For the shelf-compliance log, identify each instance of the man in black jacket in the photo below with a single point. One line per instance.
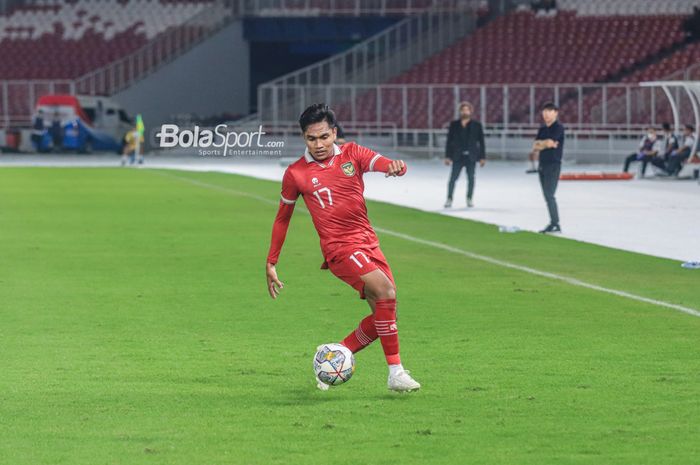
(550, 143)
(465, 146)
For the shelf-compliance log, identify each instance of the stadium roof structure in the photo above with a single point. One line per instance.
(692, 90)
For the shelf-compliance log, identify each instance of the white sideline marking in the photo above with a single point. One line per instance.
(475, 256)
(545, 274)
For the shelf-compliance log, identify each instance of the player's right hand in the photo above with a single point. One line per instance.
(396, 168)
(274, 285)
(448, 162)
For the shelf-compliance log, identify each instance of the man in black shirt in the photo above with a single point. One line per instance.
(550, 143)
(465, 146)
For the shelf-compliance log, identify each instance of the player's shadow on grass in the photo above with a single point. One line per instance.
(304, 395)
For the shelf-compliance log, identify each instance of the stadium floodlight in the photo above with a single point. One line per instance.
(692, 89)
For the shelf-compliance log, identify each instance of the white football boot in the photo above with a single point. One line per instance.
(320, 384)
(402, 382)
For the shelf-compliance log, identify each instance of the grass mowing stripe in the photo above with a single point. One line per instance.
(465, 253)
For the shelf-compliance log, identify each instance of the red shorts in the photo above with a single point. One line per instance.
(349, 264)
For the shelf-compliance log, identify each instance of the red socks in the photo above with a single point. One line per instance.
(383, 325)
(363, 336)
(385, 322)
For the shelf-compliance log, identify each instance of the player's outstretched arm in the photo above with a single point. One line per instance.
(279, 233)
(371, 161)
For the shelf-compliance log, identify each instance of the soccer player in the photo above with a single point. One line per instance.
(329, 179)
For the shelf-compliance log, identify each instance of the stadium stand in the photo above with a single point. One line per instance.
(625, 41)
(53, 39)
(592, 49)
(102, 47)
(93, 47)
(670, 66)
(683, 58)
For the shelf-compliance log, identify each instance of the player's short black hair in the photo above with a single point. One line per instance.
(666, 126)
(550, 106)
(315, 114)
(690, 127)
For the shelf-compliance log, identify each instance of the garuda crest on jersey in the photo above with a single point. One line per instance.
(348, 169)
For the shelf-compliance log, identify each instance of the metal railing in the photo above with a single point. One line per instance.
(640, 100)
(18, 98)
(582, 145)
(346, 7)
(505, 106)
(586, 145)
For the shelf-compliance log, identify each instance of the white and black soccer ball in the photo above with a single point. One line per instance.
(334, 364)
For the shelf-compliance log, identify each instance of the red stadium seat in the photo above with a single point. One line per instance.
(68, 39)
(516, 48)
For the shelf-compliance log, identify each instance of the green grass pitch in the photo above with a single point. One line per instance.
(135, 328)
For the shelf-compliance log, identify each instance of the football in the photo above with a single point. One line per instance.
(334, 364)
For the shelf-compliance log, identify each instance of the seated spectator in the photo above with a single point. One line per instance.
(676, 158)
(669, 144)
(649, 148)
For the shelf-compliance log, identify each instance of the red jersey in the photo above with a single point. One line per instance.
(333, 191)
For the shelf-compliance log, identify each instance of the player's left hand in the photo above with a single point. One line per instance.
(482, 162)
(396, 168)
